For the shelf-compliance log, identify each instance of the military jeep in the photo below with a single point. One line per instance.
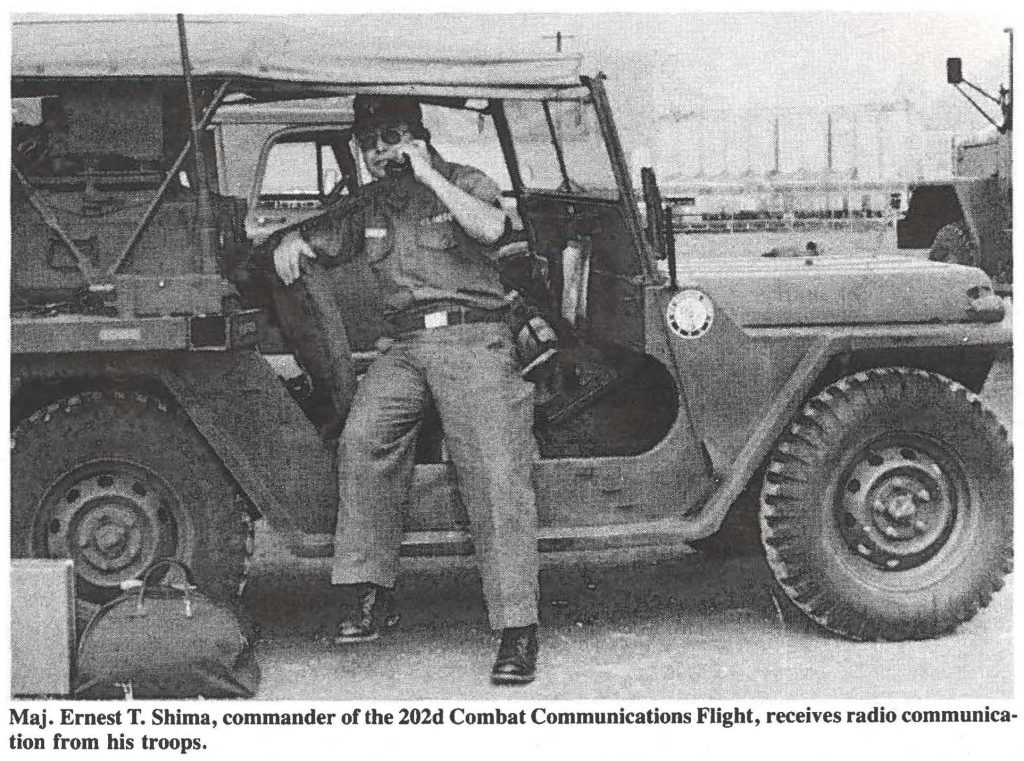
(149, 420)
(968, 219)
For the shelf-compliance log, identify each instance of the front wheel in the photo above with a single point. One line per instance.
(117, 479)
(887, 510)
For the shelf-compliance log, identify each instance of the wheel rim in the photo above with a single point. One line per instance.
(900, 500)
(113, 519)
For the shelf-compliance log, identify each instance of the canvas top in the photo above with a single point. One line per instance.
(340, 53)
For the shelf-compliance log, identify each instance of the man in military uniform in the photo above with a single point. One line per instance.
(429, 231)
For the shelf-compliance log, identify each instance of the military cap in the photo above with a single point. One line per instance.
(374, 111)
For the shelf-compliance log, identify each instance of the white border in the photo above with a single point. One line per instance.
(593, 744)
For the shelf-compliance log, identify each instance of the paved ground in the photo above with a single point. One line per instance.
(618, 626)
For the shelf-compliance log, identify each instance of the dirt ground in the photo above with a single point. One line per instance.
(621, 625)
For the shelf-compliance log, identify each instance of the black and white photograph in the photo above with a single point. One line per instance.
(387, 381)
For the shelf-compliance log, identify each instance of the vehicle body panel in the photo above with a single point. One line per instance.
(837, 290)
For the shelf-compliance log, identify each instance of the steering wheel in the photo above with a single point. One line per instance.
(321, 306)
(325, 343)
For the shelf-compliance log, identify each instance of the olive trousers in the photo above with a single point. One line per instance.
(486, 411)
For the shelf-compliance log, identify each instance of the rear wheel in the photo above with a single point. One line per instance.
(115, 480)
(886, 510)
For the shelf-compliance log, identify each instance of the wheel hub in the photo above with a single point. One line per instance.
(108, 535)
(112, 518)
(901, 505)
(899, 502)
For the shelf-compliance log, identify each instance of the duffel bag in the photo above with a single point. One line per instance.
(165, 640)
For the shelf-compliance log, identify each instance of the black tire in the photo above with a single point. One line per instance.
(887, 507)
(115, 479)
(953, 244)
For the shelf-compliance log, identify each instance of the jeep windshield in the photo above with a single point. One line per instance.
(559, 147)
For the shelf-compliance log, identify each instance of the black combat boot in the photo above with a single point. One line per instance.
(371, 612)
(517, 656)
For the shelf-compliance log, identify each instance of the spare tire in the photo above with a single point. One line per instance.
(953, 244)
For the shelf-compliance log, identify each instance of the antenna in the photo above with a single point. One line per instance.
(204, 217)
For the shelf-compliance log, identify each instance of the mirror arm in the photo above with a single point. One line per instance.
(974, 103)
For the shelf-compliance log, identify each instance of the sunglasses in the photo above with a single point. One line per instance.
(390, 135)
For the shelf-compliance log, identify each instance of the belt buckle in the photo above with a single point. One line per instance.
(435, 320)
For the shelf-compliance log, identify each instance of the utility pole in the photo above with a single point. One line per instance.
(558, 37)
(828, 162)
(828, 145)
(777, 151)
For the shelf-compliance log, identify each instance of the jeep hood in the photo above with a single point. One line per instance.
(838, 290)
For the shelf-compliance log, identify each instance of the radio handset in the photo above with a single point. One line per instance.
(398, 169)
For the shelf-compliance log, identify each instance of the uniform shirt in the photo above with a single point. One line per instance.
(417, 250)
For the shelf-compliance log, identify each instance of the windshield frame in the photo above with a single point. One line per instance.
(625, 196)
(558, 162)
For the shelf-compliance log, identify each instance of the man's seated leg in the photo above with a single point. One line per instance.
(376, 457)
(487, 412)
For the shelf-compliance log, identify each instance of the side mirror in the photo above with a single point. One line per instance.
(654, 211)
(660, 229)
(954, 71)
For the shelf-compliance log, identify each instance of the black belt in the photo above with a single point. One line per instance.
(405, 322)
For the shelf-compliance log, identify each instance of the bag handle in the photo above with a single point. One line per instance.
(140, 583)
(166, 564)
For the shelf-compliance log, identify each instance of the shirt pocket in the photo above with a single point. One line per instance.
(436, 235)
(378, 242)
